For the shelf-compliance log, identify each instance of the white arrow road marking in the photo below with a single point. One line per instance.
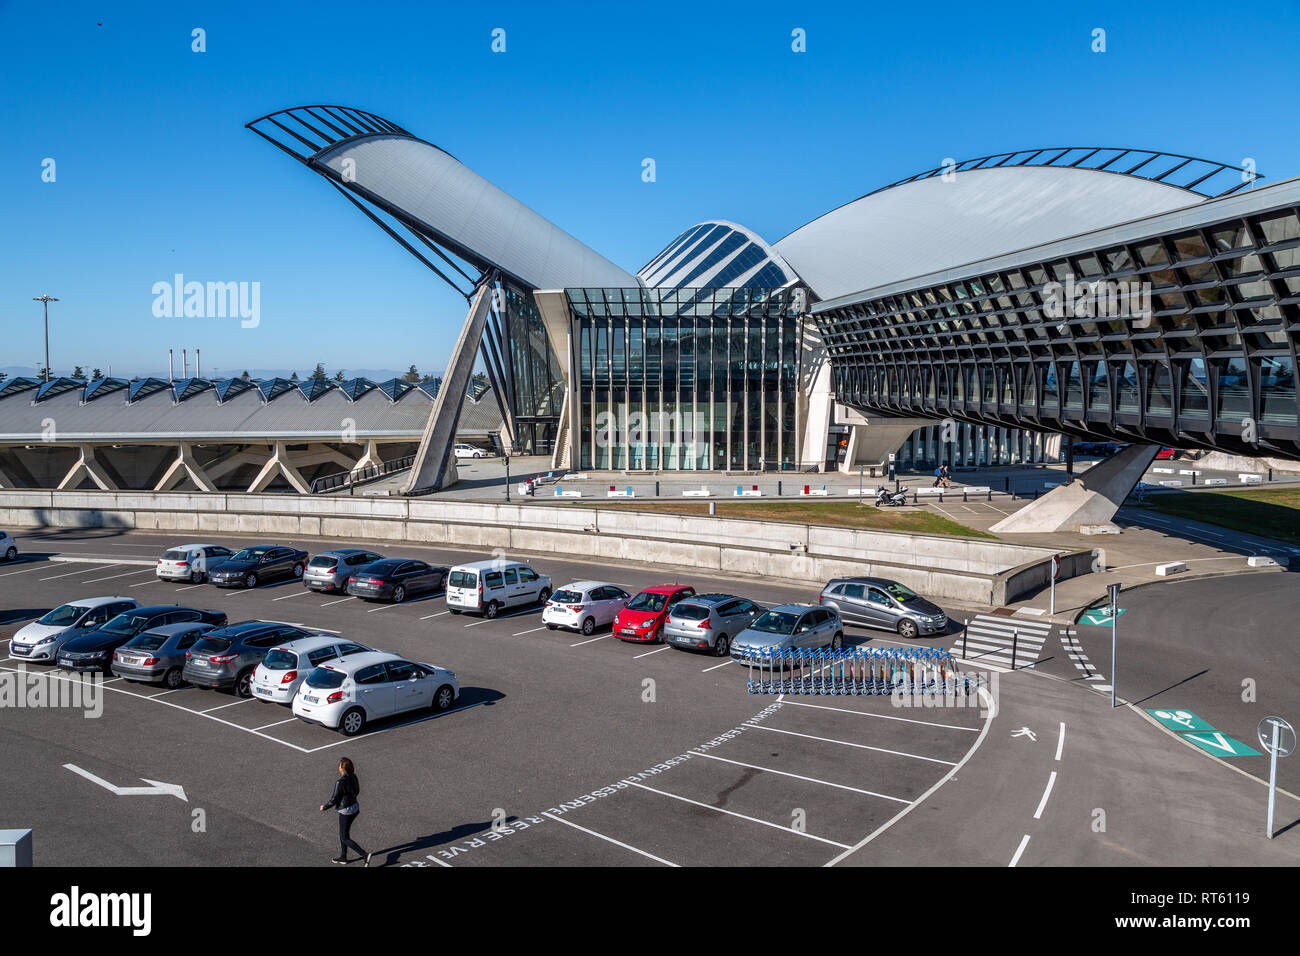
(155, 788)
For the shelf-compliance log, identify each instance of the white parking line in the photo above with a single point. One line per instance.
(1051, 781)
(287, 596)
(733, 813)
(859, 713)
(592, 641)
(532, 631)
(40, 565)
(1060, 741)
(602, 836)
(124, 574)
(276, 724)
(188, 587)
(715, 667)
(143, 583)
(499, 617)
(382, 607)
(786, 773)
(439, 614)
(224, 706)
(82, 571)
(1019, 850)
(648, 653)
(339, 601)
(846, 743)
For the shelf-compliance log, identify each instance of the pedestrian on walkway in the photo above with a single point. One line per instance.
(945, 476)
(346, 789)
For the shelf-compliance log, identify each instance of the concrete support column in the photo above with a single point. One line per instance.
(1092, 498)
(279, 464)
(185, 465)
(369, 457)
(86, 466)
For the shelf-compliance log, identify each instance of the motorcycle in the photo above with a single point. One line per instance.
(892, 499)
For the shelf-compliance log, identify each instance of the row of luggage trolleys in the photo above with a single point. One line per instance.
(855, 671)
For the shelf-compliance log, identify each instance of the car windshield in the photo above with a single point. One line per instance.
(463, 579)
(565, 596)
(900, 593)
(280, 660)
(325, 678)
(126, 624)
(645, 601)
(210, 645)
(148, 641)
(776, 622)
(250, 554)
(691, 612)
(175, 556)
(321, 561)
(63, 616)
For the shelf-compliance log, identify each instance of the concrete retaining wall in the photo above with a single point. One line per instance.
(977, 571)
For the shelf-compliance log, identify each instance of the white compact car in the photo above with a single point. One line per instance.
(190, 562)
(284, 668)
(489, 587)
(41, 639)
(8, 547)
(348, 693)
(468, 451)
(584, 606)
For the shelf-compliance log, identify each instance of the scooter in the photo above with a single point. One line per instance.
(893, 499)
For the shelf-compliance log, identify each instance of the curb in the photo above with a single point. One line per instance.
(1201, 576)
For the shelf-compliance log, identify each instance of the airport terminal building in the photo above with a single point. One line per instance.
(982, 312)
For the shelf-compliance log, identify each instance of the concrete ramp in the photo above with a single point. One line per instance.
(1092, 498)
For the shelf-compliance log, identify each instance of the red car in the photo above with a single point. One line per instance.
(643, 618)
(1165, 454)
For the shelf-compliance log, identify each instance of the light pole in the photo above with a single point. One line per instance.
(46, 300)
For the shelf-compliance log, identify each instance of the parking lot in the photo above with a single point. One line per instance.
(581, 749)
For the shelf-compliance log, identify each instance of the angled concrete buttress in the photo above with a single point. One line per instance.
(1092, 498)
(435, 465)
(872, 440)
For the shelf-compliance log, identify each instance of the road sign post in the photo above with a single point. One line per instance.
(1056, 573)
(1278, 738)
(1114, 643)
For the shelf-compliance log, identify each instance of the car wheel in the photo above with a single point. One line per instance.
(250, 580)
(589, 626)
(721, 646)
(552, 626)
(443, 698)
(543, 596)
(11, 554)
(353, 722)
(196, 576)
(297, 570)
(837, 641)
(907, 630)
(399, 594)
(453, 610)
(173, 679)
(243, 686)
(492, 610)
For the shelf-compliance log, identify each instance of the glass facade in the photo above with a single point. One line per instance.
(684, 379)
(537, 387)
(1187, 339)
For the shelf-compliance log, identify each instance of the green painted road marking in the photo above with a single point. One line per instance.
(1182, 721)
(1100, 616)
(1221, 745)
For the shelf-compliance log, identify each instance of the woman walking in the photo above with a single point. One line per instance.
(346, 789)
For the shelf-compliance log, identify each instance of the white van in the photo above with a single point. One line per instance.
(488, 587)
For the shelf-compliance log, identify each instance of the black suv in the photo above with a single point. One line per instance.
(249, 567)
(226, 658)
(94, 651)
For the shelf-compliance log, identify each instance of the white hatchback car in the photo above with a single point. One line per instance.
(348, 693)
(190, 562)
(8, 547)
(584, 606)
(284, 668)
(468, 451)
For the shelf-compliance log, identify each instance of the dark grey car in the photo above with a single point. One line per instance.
(329, 570)
(709, 622)
(158, 655)
(879, 602)
(225, 658)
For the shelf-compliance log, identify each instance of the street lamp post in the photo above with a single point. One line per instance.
(46, 300)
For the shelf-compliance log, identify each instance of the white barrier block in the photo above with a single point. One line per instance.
(1261, 561)
(1174, 483)
(697, 493)
(971, 490)
(573, 477)
(1188, 471)
(935, 491)
(1215, 481)
(1163, 471)
(1173, 567)
(819, 492)
(1099, 529)
(859, 491)
(1250, 479)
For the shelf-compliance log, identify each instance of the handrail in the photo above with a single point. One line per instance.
(357, 476)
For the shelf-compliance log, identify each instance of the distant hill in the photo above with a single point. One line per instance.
(377, 374)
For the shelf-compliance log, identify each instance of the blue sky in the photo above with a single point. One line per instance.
(155, 173)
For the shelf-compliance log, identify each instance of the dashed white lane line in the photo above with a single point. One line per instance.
(846, 743)
(1051, 782)
(287, 596)
(124, 574)
(82, 571)
(648, 653)
(796, 776)
(1060, 741)
(592, 641)
(859, 713)
(339, 601)
(607, 839)
(715, 667)
(733, 813)
(1019, 850)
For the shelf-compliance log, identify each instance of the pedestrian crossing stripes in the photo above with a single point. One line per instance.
(989, 640)
(1074, 651)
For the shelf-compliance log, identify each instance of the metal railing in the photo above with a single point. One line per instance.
(360, 476)
(855, 671)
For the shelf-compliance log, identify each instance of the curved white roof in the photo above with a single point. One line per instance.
(929, 225)
(450, 200)
(717, 254)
